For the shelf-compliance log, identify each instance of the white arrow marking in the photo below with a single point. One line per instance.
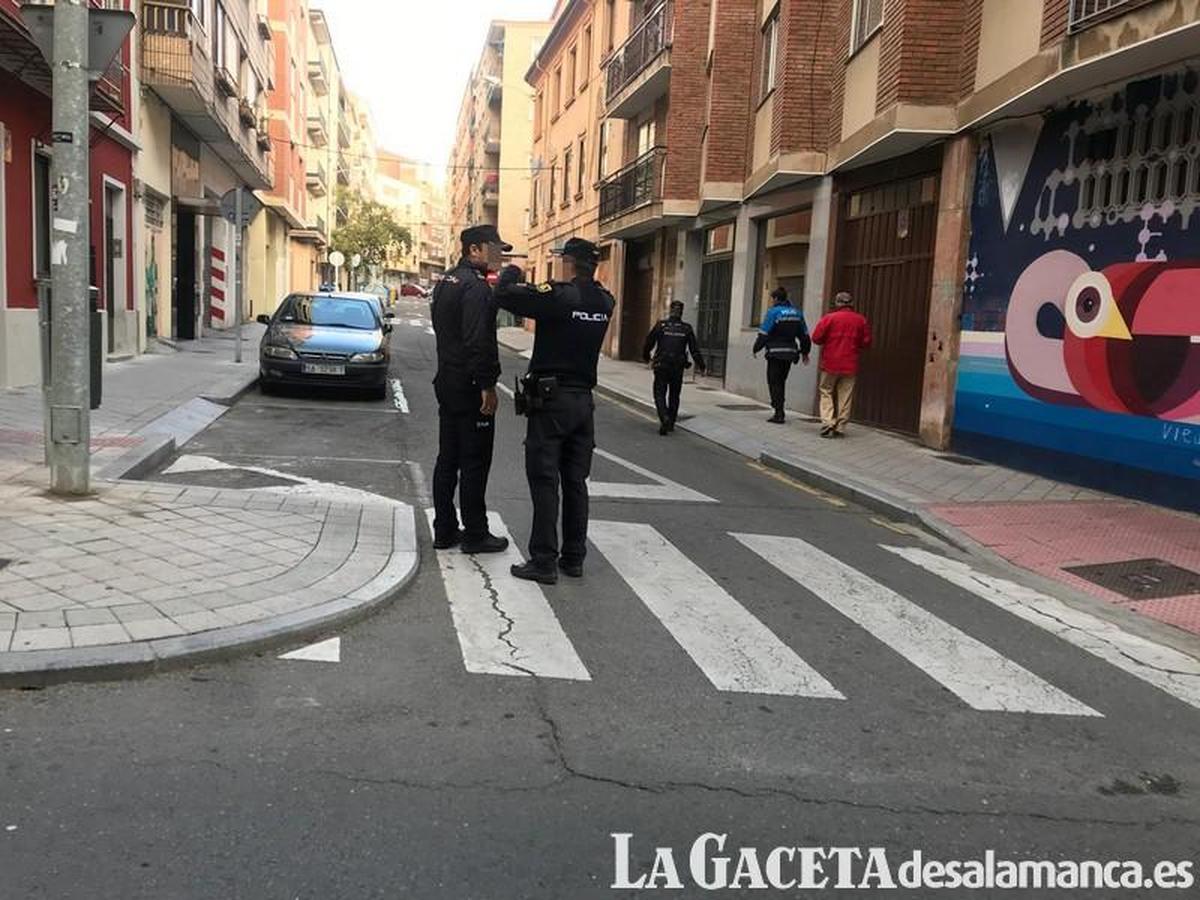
(329, 651)
(398, 398)
(663, 489)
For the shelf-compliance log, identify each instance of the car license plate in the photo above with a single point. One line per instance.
(323, 369)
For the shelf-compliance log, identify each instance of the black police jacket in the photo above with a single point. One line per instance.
(571, 316)
(464, 319)
(669, 343)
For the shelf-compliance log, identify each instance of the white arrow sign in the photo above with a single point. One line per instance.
(324, 651)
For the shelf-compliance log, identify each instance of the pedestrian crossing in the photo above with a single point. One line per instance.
(509, 627)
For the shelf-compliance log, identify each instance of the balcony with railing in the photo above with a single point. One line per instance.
(318, 180)
(1088, 12)
(176, 64)
(490, 189)
(639, 71)
(318, 128)
(343, 133)
(630, 196)
(318, 77)
(343, 170)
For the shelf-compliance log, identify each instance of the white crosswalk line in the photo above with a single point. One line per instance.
(505, 626)
(976, 673)
(735, 650)
(1167, 669)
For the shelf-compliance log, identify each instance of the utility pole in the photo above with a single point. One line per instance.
(70, 425)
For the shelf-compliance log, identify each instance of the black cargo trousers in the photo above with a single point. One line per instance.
(466, 439)
(668, 384)
(559, 441)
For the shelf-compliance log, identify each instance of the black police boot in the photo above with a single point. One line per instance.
(531, 571)
(663, 427)
(776, 419)
(446, 541)
(570, 568)
(488, 543)
(671, 425)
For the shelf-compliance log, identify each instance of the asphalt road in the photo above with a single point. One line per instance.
(396, 772)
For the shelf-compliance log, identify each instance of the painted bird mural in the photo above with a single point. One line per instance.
(1125, 339)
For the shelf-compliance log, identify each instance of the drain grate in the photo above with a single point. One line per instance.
(1141, 579)
(743, 407)
(959, 460)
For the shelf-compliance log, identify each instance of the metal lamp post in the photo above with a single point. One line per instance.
(79, 43)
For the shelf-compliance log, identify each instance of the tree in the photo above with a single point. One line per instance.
(370, 231)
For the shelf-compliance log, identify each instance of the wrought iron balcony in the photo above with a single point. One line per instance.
(645, 50)
(318, 77)
(637, 185)
(318, 181)
(318, 130)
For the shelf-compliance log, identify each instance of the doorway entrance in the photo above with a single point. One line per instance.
(637, 297)
(115, 289)
(885, 253)
(183, 291)
(712, 314)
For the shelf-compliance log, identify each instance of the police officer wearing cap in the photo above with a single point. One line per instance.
(464, 320)
(572, 317)
(667, 348)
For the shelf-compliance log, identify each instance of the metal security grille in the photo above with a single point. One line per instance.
(1141, 579)
(712, 314)
(1085, 12)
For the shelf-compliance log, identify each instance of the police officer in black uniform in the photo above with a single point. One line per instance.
(667, 348)
(572, 317)
(464, 320)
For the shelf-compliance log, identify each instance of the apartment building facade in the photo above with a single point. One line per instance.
(573, 147)
(488, 180)
(946, 163)
(25, 200)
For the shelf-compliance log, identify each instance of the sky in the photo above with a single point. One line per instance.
(410, 60)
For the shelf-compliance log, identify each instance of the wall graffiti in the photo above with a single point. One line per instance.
(1081, 312)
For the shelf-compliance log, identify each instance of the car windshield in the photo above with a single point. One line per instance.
(331, 312)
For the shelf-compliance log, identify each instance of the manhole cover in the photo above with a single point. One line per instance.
(959, 460)
(742, 407)
(1141, 579)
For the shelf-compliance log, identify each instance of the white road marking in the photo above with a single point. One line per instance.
(303, 486)
(1167, 669)
(421, 485)
(526, 354)
(504, 389)
(329, 651)
(431, 332)
(976, 673)
(505, 626)
(735, 650)
(398, 398)
(663, 489)
(417, 323)
(188, 463)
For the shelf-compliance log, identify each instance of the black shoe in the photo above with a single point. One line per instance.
(827, 431)
(446, 541)
(571, 569)
(671, 427)
(838, 434)
(489, 543)
(663, 428)
(532, 572)
(776, 419)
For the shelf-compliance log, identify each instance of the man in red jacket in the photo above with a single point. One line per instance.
(842, 334)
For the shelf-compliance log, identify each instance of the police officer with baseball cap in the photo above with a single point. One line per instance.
(572, 317)
(464, 320)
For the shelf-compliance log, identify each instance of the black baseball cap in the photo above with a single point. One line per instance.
(484, 234)
(578, 248)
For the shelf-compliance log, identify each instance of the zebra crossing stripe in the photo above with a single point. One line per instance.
(1167, 669)
(974, 672)
(735, 650)
(505, 626)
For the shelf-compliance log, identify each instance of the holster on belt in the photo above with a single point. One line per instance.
(533, 392)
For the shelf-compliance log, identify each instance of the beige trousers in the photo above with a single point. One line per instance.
(837, 399)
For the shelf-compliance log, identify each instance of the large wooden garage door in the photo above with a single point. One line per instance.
(885, 260)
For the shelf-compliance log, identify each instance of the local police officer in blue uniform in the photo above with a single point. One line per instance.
(556, 394)
(464, 320)
(784, 335)
(667, 348)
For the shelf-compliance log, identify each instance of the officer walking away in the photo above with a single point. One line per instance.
(785, 337)
(464, 321)
(556, 394)
(667, 348)
(842, 335)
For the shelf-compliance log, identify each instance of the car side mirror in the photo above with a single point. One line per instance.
(263, 320)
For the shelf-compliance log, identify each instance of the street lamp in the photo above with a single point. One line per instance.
(80, 43)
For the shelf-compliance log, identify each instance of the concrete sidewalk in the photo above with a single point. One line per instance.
(140, 575)
(1041, 526)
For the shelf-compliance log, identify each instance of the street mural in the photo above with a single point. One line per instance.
(1081, 307)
